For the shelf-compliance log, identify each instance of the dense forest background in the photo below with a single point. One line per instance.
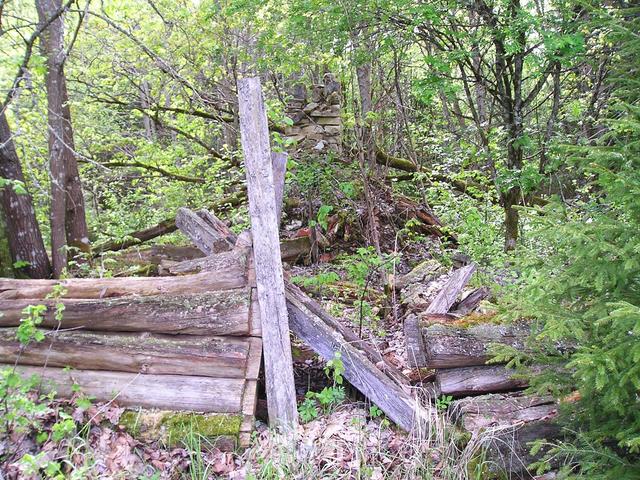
(516, 123)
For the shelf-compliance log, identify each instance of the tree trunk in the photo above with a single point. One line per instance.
(51, 47)
(6, 262)
(23, 232)
(75, 220)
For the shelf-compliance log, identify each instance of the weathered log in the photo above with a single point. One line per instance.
(213, 313)
(415, 344)
(223, 357)
(171, 392)
(447, 296)
(227, 270)
(450, 347)
(152, 258)
(512, 422)
(291, 250)
(470, 302)
(165, 227)
(460, 382)
(203, 232)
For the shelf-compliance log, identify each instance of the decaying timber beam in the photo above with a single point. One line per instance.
(228, 270)
(470, 302)
(451, 347)
(460, 382)
(206, 356)
(164, 227)
(369, 378)
(223, 312)
(448, 294)
(171, 392)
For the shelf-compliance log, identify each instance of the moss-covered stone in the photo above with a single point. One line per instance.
(172, 428)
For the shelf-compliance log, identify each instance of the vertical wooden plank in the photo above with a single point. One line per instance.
(254, 133)
(279, 165)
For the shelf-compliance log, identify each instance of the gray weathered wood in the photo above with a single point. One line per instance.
(510, 422)
(218, 229)
(450, 347)
(214, 313)
(254, 132)
(227, 271)
(460, 382)
(449, 293)
(470, 302)
(222, 357)
(415, 345)
(171, 392)
(363, 374)
(279, 166)
(201, 231)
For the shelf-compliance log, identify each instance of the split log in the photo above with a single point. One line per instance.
(450, 347)
(447, 296)
(415, 343)
(171, 392)
(511, 423)
(203, 229)
(460, 382)
(165, 227)
(227, 271)
(470, 302)
(290, 249)
(222, 357)
(213, 313)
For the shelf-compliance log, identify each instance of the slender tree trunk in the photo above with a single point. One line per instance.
(23, 232)
(75, 219)
(6, 262)
(51, 46)
(363, 73)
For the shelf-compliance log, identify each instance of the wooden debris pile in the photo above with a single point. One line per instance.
(442, 338)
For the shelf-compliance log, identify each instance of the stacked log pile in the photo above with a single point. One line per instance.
(442, 338)
(189, 343)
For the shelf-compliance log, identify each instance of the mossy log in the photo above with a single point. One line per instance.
(510, 422)
(174, 428)
(226, 270)
(222, 357)
(460, 382)
(450, 347)
(171, 392)
(213, 313)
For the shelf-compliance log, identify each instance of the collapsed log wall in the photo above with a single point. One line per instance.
(188, 343)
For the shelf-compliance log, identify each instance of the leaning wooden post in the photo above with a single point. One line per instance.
(254, 133)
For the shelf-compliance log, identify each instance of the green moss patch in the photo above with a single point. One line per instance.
(172, 428)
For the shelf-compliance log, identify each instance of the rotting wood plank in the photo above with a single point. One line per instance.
(413, 338)
(392, 399)
(214, 313)
(470, 302)
(171, 392)
(222, 357)
(254, 133)
(447, 296)
(200, 232)
(451, 347)
(226, 271)
(460, 382)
